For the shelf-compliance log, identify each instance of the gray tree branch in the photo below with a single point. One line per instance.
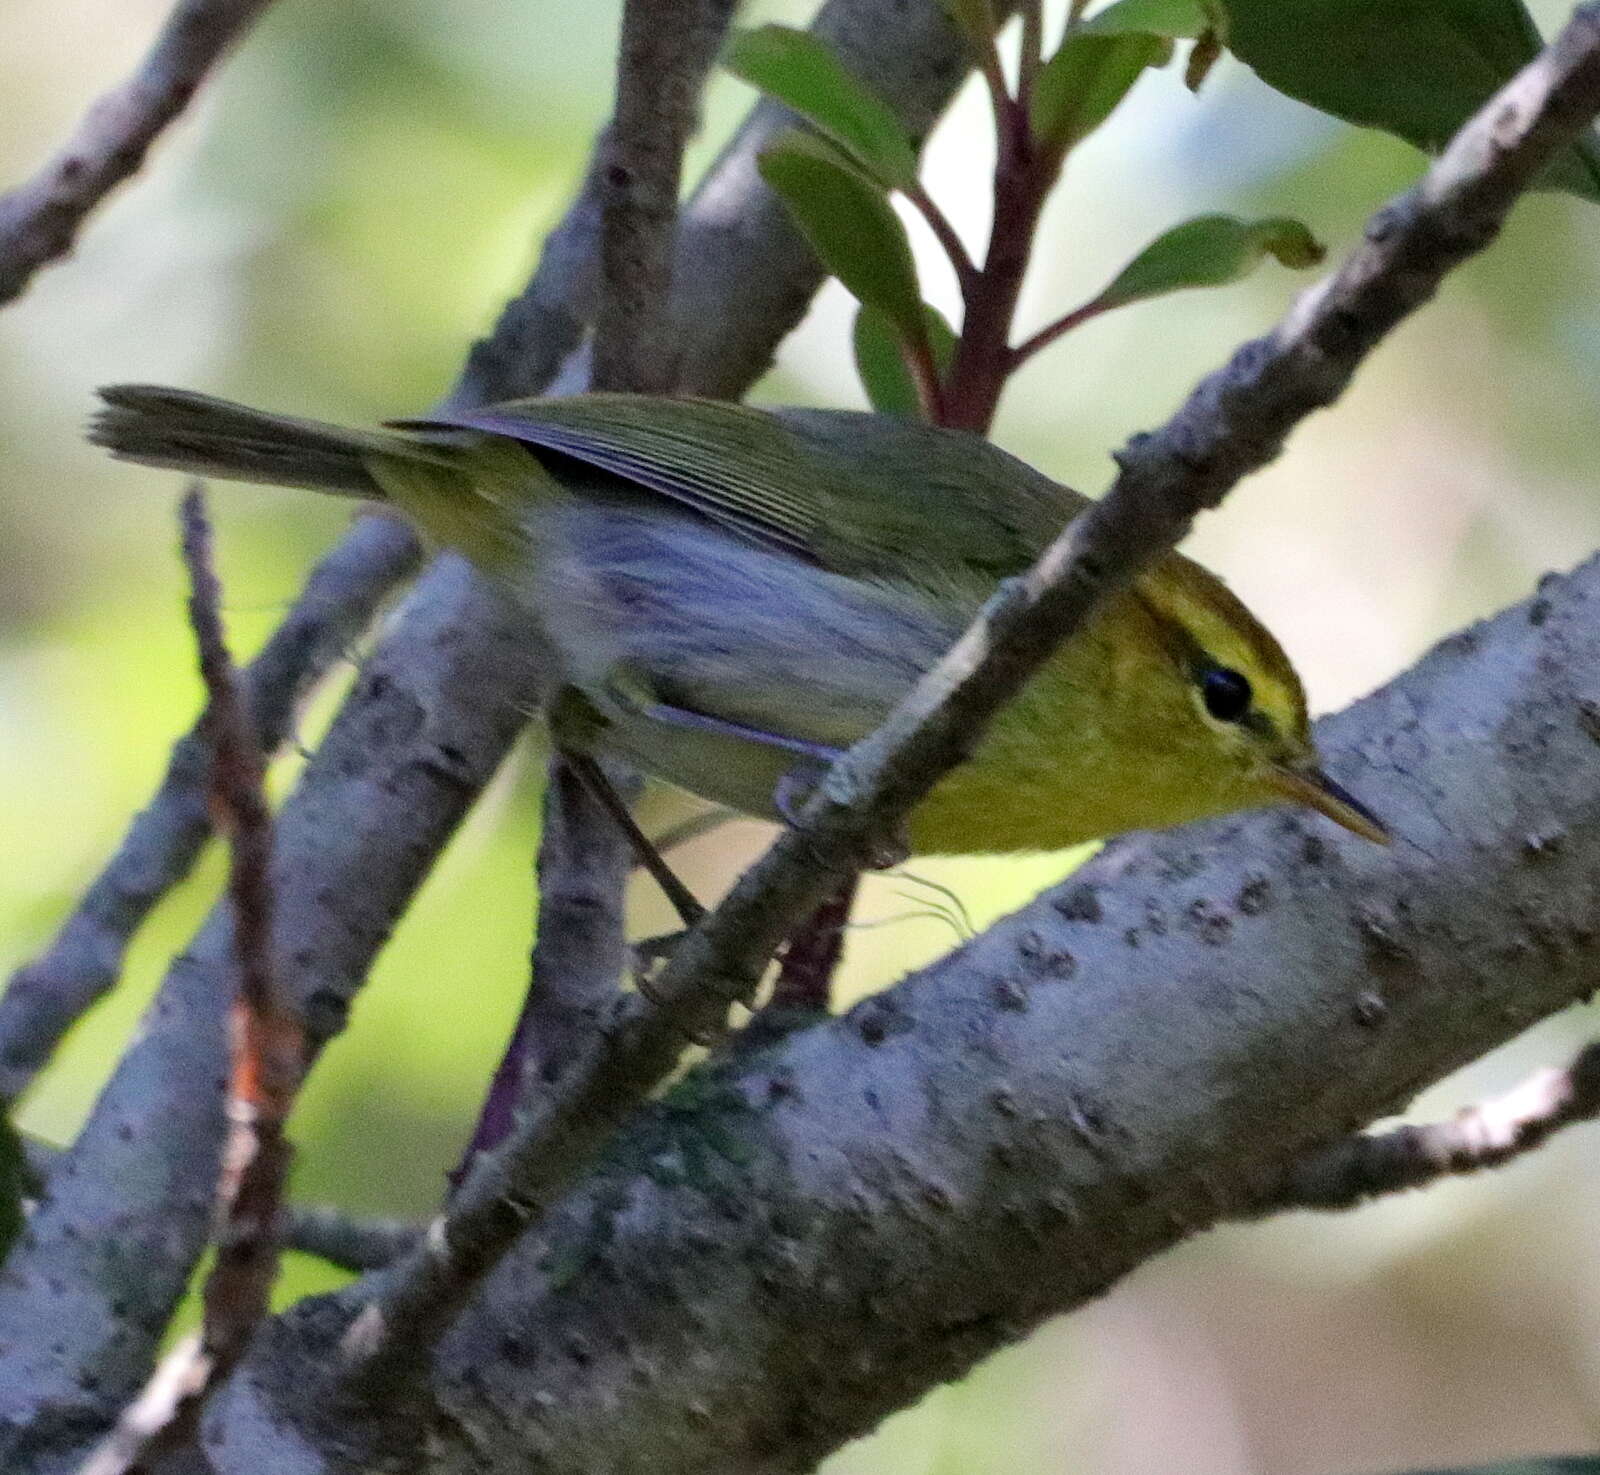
(1488, 1134)
(40, 220)
(665, 55)
(806, 1237)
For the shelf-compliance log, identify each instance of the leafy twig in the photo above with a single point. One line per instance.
(39, 220)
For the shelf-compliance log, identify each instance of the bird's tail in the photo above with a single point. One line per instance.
(177, 429)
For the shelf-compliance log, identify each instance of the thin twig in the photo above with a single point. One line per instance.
(1032, 51)
(347, 1240)
(954, 247)
(47, 996)
(268, 1050)
(268, 1035)
(1486, 1135)
(40, 220)
(1052, 331)
(987, 59)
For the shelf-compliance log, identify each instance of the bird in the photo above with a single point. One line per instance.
(736, 595)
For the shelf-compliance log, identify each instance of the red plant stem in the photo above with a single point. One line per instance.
(813, 953)
(983, 358)
(1058, 329)
(965, 268)
(1032, 51)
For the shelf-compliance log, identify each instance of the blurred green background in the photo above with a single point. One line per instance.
(348, 206)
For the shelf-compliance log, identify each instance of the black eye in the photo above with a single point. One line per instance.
(1226, 693)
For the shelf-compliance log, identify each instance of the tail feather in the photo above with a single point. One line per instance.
(183, 431)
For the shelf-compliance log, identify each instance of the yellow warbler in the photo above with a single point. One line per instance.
(737, 595)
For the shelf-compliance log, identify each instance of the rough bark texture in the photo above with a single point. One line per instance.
(800, 1240)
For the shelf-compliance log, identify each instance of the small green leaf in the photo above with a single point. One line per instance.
(1209, 251)
(1175, 19)
(850, 223)
(1415, 68)
(975, 19)
(881, 362)
(804, 73)
(1081, 85)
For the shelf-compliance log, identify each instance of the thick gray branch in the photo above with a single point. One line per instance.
(665, 54)
(807, 1237)
(40, 220)
(667, 49)
(46, 997)
(584, 861)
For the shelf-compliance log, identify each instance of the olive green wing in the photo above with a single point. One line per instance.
(732, 464)
(854, 493)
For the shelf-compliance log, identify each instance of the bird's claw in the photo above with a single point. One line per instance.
(789, 797)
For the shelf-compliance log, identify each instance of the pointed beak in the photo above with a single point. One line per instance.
(1311, 786)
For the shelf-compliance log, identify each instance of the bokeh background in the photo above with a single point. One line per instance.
(325, 232)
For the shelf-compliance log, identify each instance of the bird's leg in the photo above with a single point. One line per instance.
(701, 722)
(590, 774)
(792, 790)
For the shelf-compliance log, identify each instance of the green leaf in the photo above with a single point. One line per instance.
(1209, 251)
(803, 72)
(1081, 85)
(881, 363)
(850, 223)
(1415, 68)
(975, 19)
(1175, 19)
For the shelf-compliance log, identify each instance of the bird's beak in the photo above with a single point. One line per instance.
(1311, 786)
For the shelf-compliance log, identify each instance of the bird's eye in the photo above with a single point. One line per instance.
(1226, 693)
